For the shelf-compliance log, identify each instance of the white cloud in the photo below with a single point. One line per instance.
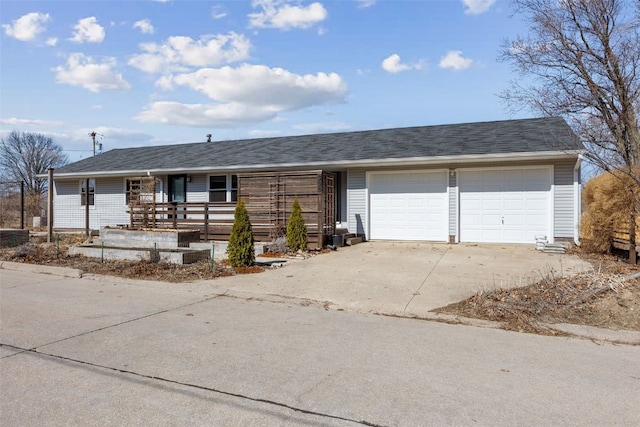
(365, 3)
(454, 60)
(51, 41)
(393, 64)
(285, 16)
(165, 82)
(262, 86)
(144, 25)
(95, 76)
(88, 30)
(242, 95)
(29, 122)
(27, 27)
(218, 12)
(179, 52)
(320, 127)
(476, 7)
(203, 115)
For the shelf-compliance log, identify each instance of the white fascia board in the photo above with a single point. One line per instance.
(402, 161)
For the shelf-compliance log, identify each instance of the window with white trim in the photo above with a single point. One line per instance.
(223, 188)
(92, 192)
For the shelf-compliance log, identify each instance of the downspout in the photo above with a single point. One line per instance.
(577, 200)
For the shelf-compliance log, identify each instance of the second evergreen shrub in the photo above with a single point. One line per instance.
(296, 229)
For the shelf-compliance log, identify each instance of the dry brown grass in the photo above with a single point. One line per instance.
(604, 297)
(608, 208)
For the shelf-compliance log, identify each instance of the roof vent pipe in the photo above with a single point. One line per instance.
(208, 137)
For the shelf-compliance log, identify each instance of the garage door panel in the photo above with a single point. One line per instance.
(409, 206)
(488, 235)
(492, 204)
(511, 206)
(515, 205)
(489, 220)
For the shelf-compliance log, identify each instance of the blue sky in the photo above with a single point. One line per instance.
(161, 72)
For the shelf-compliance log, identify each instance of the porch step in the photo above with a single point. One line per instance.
(353, 241)
(340, 237)
(557, 248)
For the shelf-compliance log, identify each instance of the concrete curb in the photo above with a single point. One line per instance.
(599, 334)
(41, 269)
(575, 331)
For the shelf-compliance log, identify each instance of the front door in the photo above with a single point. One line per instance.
(178, 191)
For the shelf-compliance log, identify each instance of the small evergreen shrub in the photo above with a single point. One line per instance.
(240, 250)
(296, 229)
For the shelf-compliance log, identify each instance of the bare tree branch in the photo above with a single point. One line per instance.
(25, 155)
(584, 56)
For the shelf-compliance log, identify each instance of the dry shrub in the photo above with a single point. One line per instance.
(608, 203)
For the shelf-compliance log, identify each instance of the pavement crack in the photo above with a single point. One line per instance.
(417, 291)
(167, 310)
(196, 386)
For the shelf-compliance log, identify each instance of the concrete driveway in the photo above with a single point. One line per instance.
(401, 278)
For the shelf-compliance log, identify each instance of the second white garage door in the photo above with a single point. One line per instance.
(504, 206)
(408, 206)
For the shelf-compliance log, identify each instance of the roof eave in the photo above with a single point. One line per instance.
(389, 162)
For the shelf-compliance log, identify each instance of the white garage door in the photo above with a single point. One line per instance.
(408, 206)
(504, 206)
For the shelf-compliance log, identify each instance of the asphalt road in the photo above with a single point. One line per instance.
(111, 352)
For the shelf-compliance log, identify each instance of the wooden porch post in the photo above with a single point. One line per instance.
(86, 207)
(206, 221)
(50, 207)
(633, 255)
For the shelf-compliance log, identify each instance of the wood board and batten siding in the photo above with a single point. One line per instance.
(269, 200)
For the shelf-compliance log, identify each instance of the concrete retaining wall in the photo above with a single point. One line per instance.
(173, 256)
(161, 239)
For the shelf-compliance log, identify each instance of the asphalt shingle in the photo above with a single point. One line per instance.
(497, 137)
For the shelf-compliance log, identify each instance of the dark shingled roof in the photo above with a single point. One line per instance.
(498, 137)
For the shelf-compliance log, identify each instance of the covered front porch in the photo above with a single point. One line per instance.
(268, 196)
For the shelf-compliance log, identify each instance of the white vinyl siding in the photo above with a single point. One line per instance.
(357, 201)
(408, 206)
(564, 200)
(109, 207)
(197, 188)
(453, 205)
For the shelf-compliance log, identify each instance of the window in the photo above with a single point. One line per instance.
(234, 188)
(92, 192)
(223, 188)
